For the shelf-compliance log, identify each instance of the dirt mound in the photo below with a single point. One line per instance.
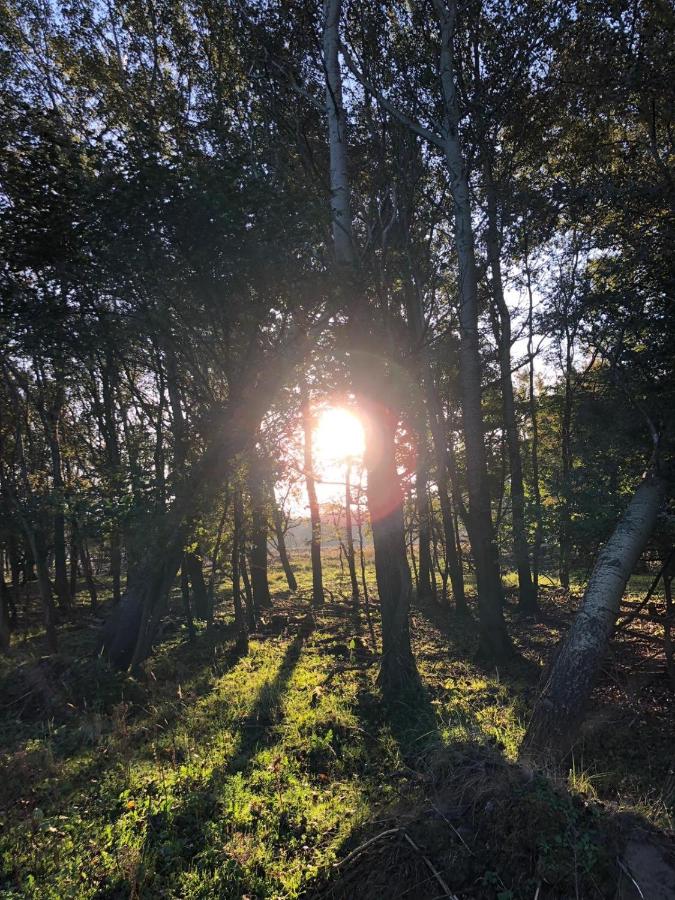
(476, 826)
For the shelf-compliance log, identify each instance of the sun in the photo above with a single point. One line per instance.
(338, 437)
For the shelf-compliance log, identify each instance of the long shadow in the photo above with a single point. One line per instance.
(106, 691)
(185, 828)
(460, 632)
(486, 826)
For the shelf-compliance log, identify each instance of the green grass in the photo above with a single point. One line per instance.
(218, 776)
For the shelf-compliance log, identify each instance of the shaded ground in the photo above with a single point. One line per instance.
(265, 776)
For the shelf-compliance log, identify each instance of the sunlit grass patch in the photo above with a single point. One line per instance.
(219, 775)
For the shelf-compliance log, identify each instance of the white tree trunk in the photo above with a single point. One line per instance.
(340, 207)
(560, 707)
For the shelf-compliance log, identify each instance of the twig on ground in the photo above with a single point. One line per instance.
(434, 871)
(362, 847)
(445, 819)
(627, 872)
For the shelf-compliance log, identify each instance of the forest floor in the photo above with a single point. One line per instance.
(284, 774)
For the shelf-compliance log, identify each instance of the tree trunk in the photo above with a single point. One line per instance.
(85, 563)
(251, 612)
(39, 551)
(453, 557)
(73, 561)
(240, 623)
(185, 573)
(384, 490)
(527, 597)
(668, 622)
(565, 523)
(439, 442)
(51, 414)
(494, 642)
(534, 424)
(116, 563)
(215, 558)
(14, 560)
(425, 589)
(259, 580)
(385, 507)
(278, 522)
(559, 710)
(194, 567)
(314, 511)
(351, 559)
(5, 626)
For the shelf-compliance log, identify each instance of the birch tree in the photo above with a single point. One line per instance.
(377, 404)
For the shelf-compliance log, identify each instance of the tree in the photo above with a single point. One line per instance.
(385, 500)
(314, 511)
(559, 710)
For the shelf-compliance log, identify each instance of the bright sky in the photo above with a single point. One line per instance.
(338, 437)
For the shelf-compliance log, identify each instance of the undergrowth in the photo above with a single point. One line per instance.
(217, 775)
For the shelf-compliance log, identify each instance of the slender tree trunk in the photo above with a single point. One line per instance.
(559, 710)
(439, 441)
(158, 451)
(259, 580)
(668, 622)
(425, 589)
(565, 523)
(14, 560)
(85, 563)
(411, 548)
(116, 563)
(362, 562)
(193, 565)
(5, 626)
(534, 424)
(351, 559)
(384, 491)
(453, 557)
(50, 412)
(278, 522)
(185, 595)
(527, 597)
(60, 562)
(251, 612)
(215, 557)
(74, 559)
(494, 642)
(314, 511)
(240, 623)
(108, 425)
(39, 551)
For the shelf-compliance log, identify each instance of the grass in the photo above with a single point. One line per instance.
(224, 776)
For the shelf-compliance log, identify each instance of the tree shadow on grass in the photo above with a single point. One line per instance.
(180, 835)
(468, 820)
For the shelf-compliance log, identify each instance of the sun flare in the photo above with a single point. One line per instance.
(338, 437)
